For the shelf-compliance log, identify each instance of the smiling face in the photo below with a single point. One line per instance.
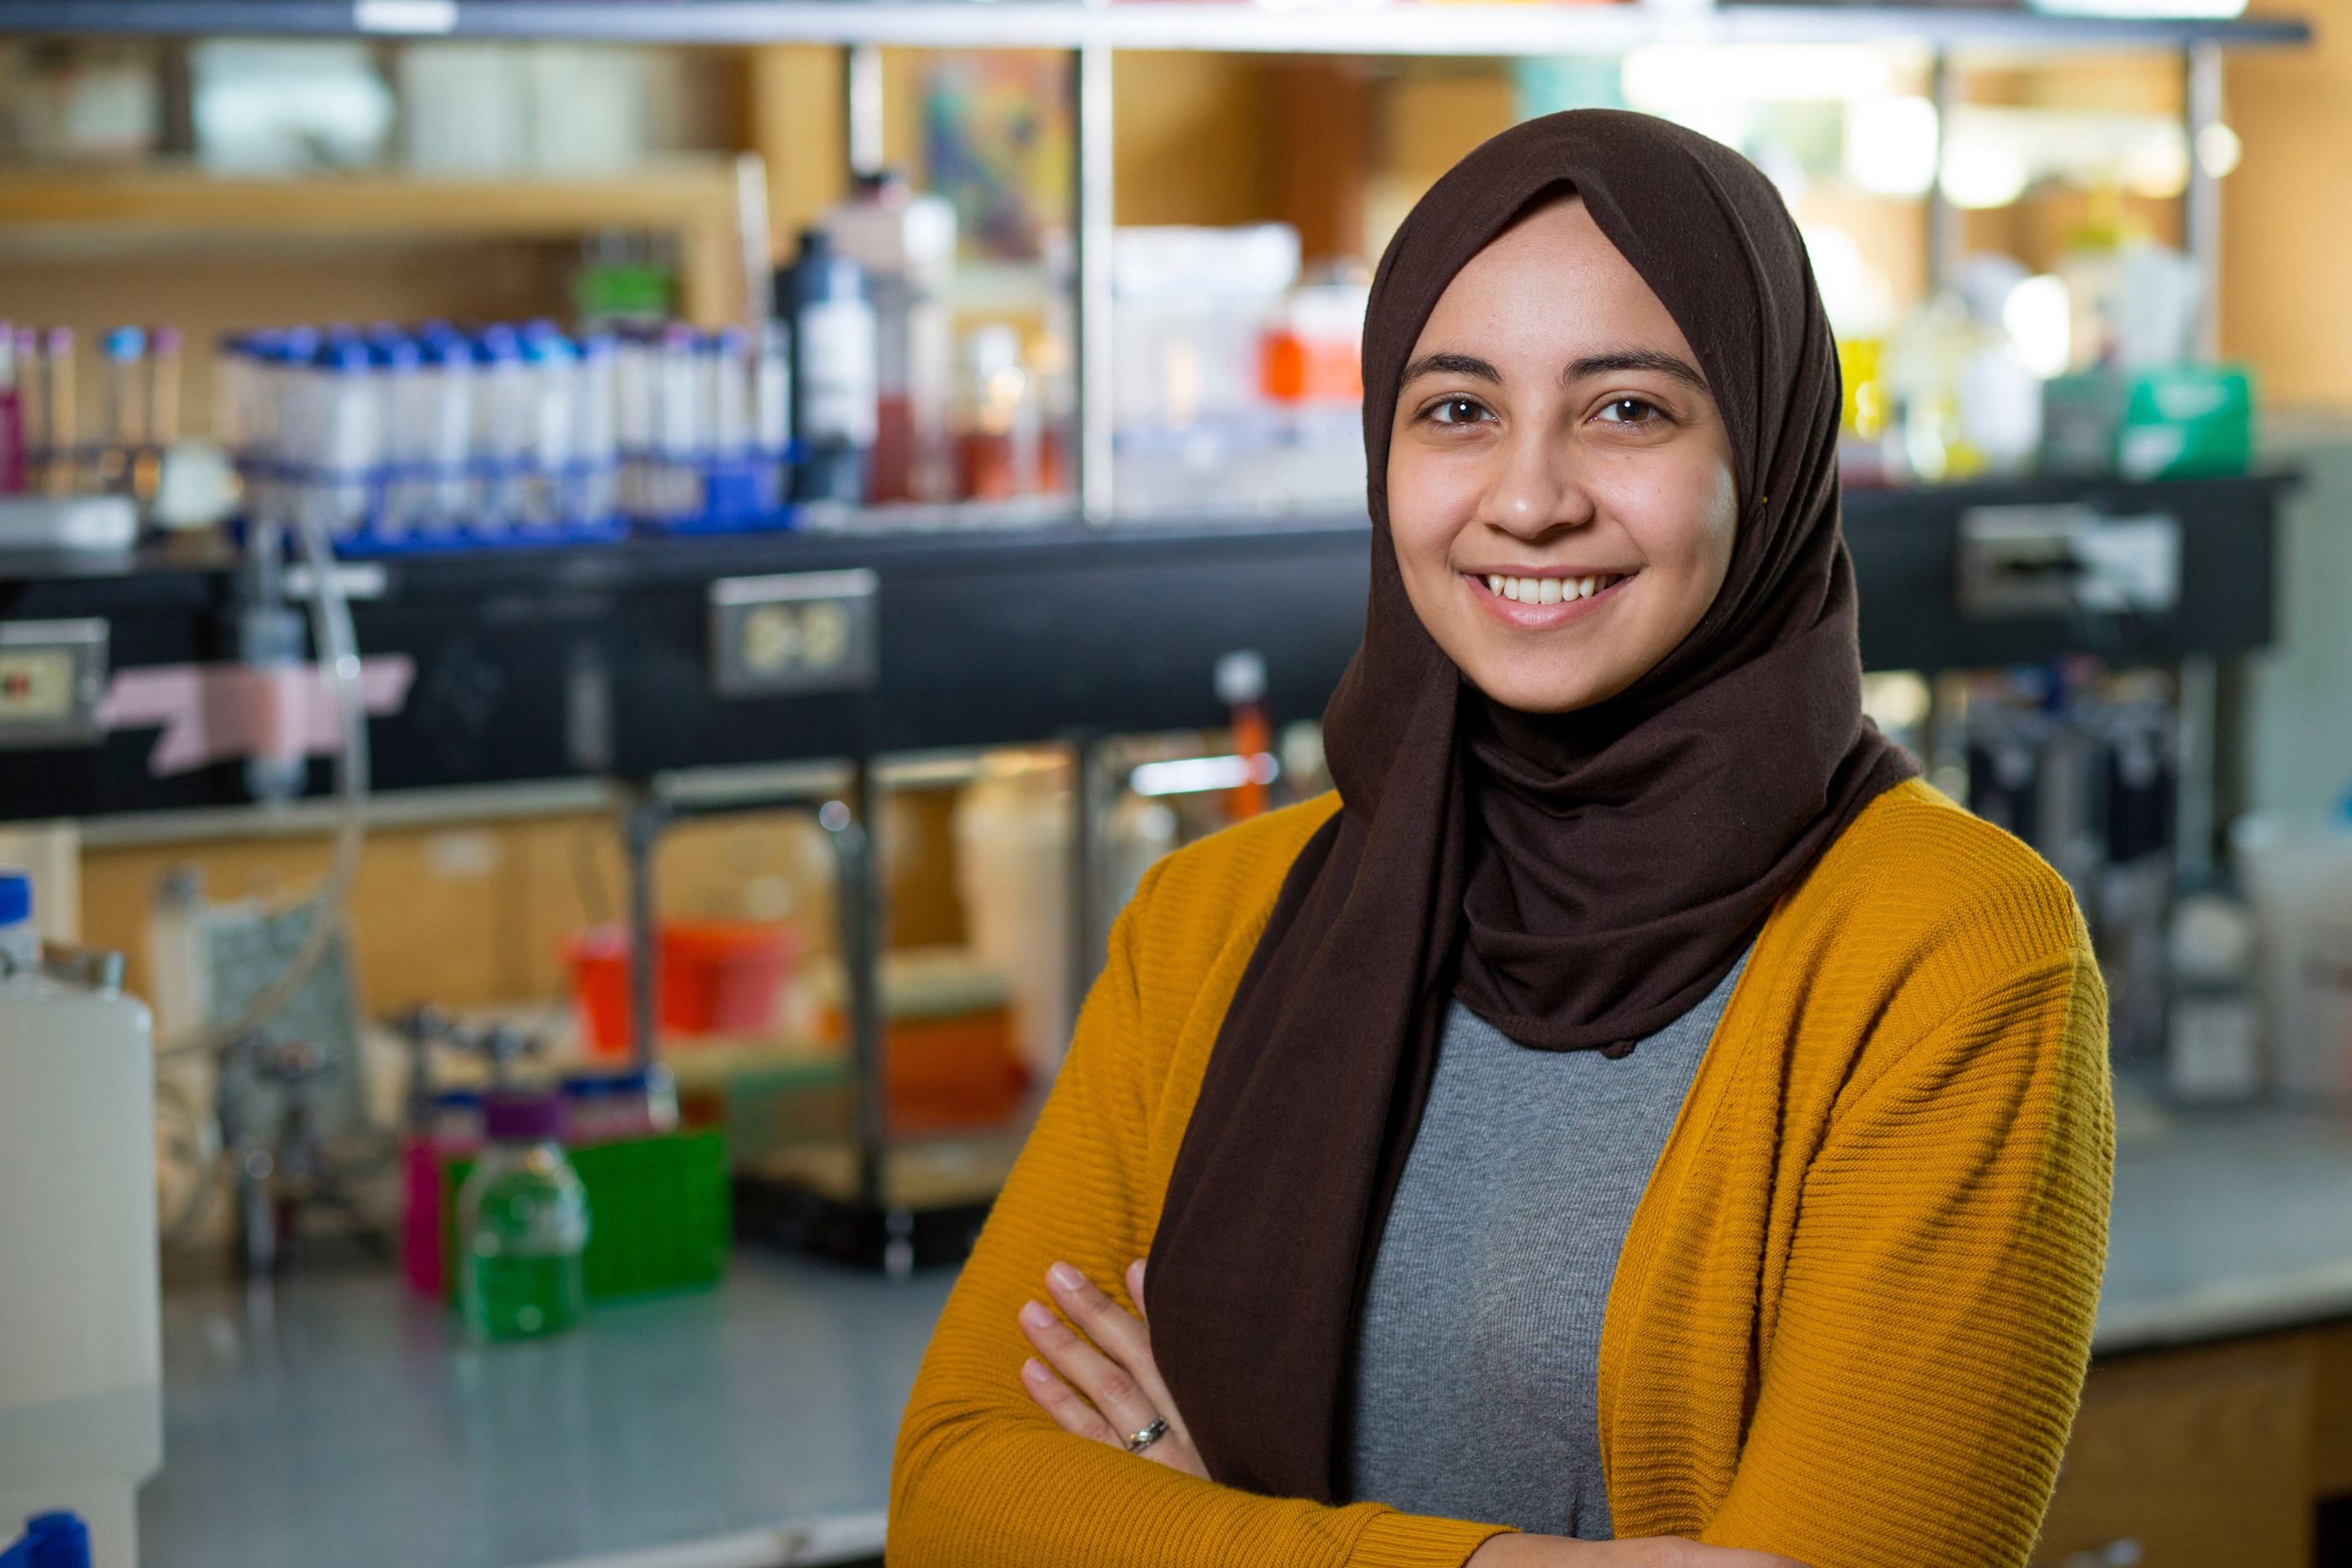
(1559, 479)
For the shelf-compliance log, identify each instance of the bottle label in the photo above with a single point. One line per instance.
(837, 371)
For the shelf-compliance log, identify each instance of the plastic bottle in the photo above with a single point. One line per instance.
(835, 407)
(80, 1362)
(522, 1223)
(162, 399)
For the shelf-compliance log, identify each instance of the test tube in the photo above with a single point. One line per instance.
(449, 375)
(163, 400)
(349, 453)
(501, 425)
(61, 472)
(32, 407)
(405, 498)
(12, 416)
(729, 352)
(555, 374)
(682, 423)
(123, 422)
(772, 414)
(632, 422)
(594, 435)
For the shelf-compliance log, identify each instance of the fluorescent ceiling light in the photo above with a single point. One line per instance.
(1196, 774)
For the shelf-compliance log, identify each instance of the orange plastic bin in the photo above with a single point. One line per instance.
(716, 977)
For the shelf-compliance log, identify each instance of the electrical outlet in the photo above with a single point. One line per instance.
(52, 677)
(794, 634)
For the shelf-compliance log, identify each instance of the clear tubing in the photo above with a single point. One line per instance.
(337, 641)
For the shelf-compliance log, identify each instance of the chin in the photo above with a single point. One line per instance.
(1541, 696)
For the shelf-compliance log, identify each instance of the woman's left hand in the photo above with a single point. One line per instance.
(1110, 1387)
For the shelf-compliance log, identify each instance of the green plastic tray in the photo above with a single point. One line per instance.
(658, 1214)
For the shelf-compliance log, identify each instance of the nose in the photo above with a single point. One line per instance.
(1535, 490)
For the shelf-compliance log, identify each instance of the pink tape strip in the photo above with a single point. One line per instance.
(212, 712)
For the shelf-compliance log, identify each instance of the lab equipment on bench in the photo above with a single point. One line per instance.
(522, 1223)
(81, 1357)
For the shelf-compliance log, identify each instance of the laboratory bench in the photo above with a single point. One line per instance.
(339, 1419)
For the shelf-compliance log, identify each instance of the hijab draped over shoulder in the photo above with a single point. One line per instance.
(1579, 880)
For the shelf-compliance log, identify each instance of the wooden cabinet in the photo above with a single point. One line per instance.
(2203, 1458)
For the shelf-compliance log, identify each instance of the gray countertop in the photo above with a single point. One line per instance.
(339, 1420)
(2226, 1222)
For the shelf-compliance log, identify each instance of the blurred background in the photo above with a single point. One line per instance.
(601, 603)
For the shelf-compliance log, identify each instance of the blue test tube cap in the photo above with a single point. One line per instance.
(599, 346)
(124, 344)
(549, 349)
(15, 896)
(399, 353)
(347, 354)
(497, 343)
(295, 343)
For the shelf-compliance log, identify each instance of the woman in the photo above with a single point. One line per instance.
(1635, 1111)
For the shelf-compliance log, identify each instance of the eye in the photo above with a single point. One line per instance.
(1631, 411)
(1456, 410)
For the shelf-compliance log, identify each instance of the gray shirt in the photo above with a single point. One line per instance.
(1477, 1360)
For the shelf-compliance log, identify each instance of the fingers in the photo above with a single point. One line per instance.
(1135, 1291)
(1112, 1389)
(1070, 1412)
(1122, 1336)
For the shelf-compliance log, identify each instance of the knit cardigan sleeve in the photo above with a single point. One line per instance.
(982, 1477)
(1926, 1349)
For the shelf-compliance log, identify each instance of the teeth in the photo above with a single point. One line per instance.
(1549, 589)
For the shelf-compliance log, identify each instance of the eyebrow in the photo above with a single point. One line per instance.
(1451, 364)
(1470, 365)
(1637, 360)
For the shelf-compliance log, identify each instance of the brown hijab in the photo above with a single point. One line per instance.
(1579, 880)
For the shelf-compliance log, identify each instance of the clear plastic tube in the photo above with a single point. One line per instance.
(632, 422)
(503, 414)
(406, 401)
(594, 434)
(347, 455)
(682, 424)
(449, 433)
(772, 414)
(549, 456)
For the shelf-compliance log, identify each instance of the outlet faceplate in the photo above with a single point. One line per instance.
(794, 634)
(52, 677)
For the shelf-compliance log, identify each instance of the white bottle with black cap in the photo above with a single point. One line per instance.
(81, 1357)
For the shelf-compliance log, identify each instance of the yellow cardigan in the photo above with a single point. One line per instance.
(1852, 1316)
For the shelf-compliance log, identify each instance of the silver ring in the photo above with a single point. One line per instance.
(1149, 1436)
